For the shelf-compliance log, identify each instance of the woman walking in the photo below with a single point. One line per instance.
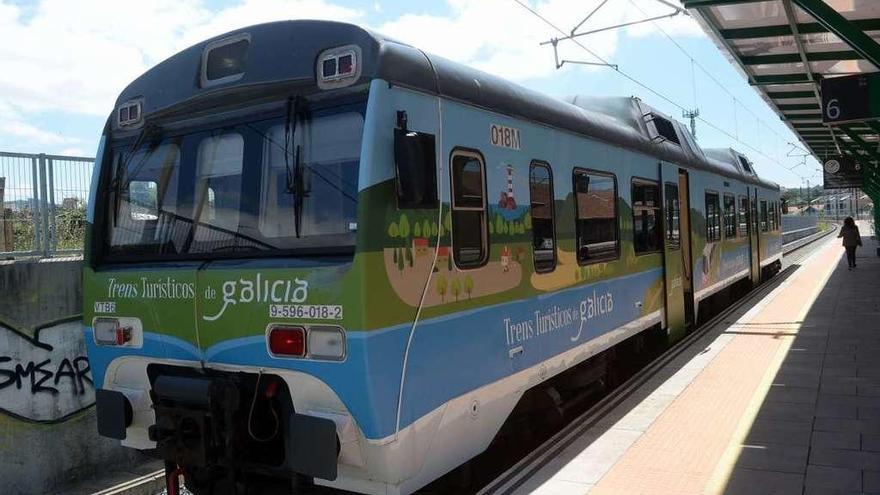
(851, 240)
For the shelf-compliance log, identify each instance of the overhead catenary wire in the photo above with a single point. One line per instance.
(648, 88)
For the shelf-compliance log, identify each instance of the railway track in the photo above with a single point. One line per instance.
(507, 480)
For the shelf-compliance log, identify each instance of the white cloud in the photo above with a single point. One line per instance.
(75, 57)
(501, 37)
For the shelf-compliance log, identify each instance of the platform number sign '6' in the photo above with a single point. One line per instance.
(850, 98)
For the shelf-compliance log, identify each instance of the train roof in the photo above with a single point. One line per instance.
(284, 53)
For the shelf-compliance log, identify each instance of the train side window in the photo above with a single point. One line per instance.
(673, 222)
(543, 228)
(646, 216)
(778, 215)
(713, 217)
(416, 175)
(470, 239)
(595, 202)
(764, 222)
(771, 211)
(743, 216)
(729, 216)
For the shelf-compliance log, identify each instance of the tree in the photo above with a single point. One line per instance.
(393, 232)
(527, 221)
(499, 224)
(441, 287)
(511, 229)
(447, 221)
(435, 231)
(491, 228)
(468, 285)
(417, 229)
(426, 228)
(456, 288)
(403, 227)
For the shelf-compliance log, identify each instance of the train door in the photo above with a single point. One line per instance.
(687, 266)
(754, 237)
(672, 258)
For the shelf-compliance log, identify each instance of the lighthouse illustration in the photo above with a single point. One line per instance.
(507, 201)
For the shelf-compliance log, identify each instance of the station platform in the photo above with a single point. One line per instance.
(782, 396)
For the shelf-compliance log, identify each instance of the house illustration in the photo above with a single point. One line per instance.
(420, 246)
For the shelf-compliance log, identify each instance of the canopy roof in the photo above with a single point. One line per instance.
(785, 48)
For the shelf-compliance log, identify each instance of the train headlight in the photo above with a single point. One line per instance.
(117, 331)
(326, 342)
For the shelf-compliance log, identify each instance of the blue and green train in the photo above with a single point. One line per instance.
(318, 253)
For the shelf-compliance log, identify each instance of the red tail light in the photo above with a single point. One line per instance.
(287, 341)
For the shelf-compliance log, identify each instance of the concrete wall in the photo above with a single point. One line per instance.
(796, 227)
(48, 436)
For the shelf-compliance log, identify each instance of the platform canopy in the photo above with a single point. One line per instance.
(786, 48)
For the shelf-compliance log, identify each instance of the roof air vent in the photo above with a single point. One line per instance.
(661, 129)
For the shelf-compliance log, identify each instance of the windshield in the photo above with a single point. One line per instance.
(231, 189)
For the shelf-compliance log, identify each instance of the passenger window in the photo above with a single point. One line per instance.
(543, 230)
(646, 216)
(673, 232)
(771, 223)
(469, 237)
(713, 218)
(729, 216)
(743, 216)
(764, 223)
(595, 196)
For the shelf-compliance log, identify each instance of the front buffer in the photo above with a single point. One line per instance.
(229, 433)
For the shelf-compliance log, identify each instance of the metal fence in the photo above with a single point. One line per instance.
(43, 200)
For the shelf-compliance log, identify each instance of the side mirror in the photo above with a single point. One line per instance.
(415, 164)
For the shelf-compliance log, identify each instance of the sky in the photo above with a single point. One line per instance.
(63, 63)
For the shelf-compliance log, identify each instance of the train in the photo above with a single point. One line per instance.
(316, 254)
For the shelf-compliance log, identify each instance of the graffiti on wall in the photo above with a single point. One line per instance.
(46, 378)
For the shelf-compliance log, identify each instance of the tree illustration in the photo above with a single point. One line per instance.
(441, 287)
(468, 285)
(447, 221)
(393, 232)
(511, 229)
(403, 227)
(435, 231)
(456, 288)
(417, 229)
(499, 224)
(527, 221)
(426, 228)
(491, 228)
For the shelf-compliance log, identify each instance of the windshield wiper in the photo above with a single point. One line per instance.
(122, 167)
(299, 189)
(295, 173)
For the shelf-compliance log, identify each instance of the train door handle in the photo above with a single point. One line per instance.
(516, 351)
